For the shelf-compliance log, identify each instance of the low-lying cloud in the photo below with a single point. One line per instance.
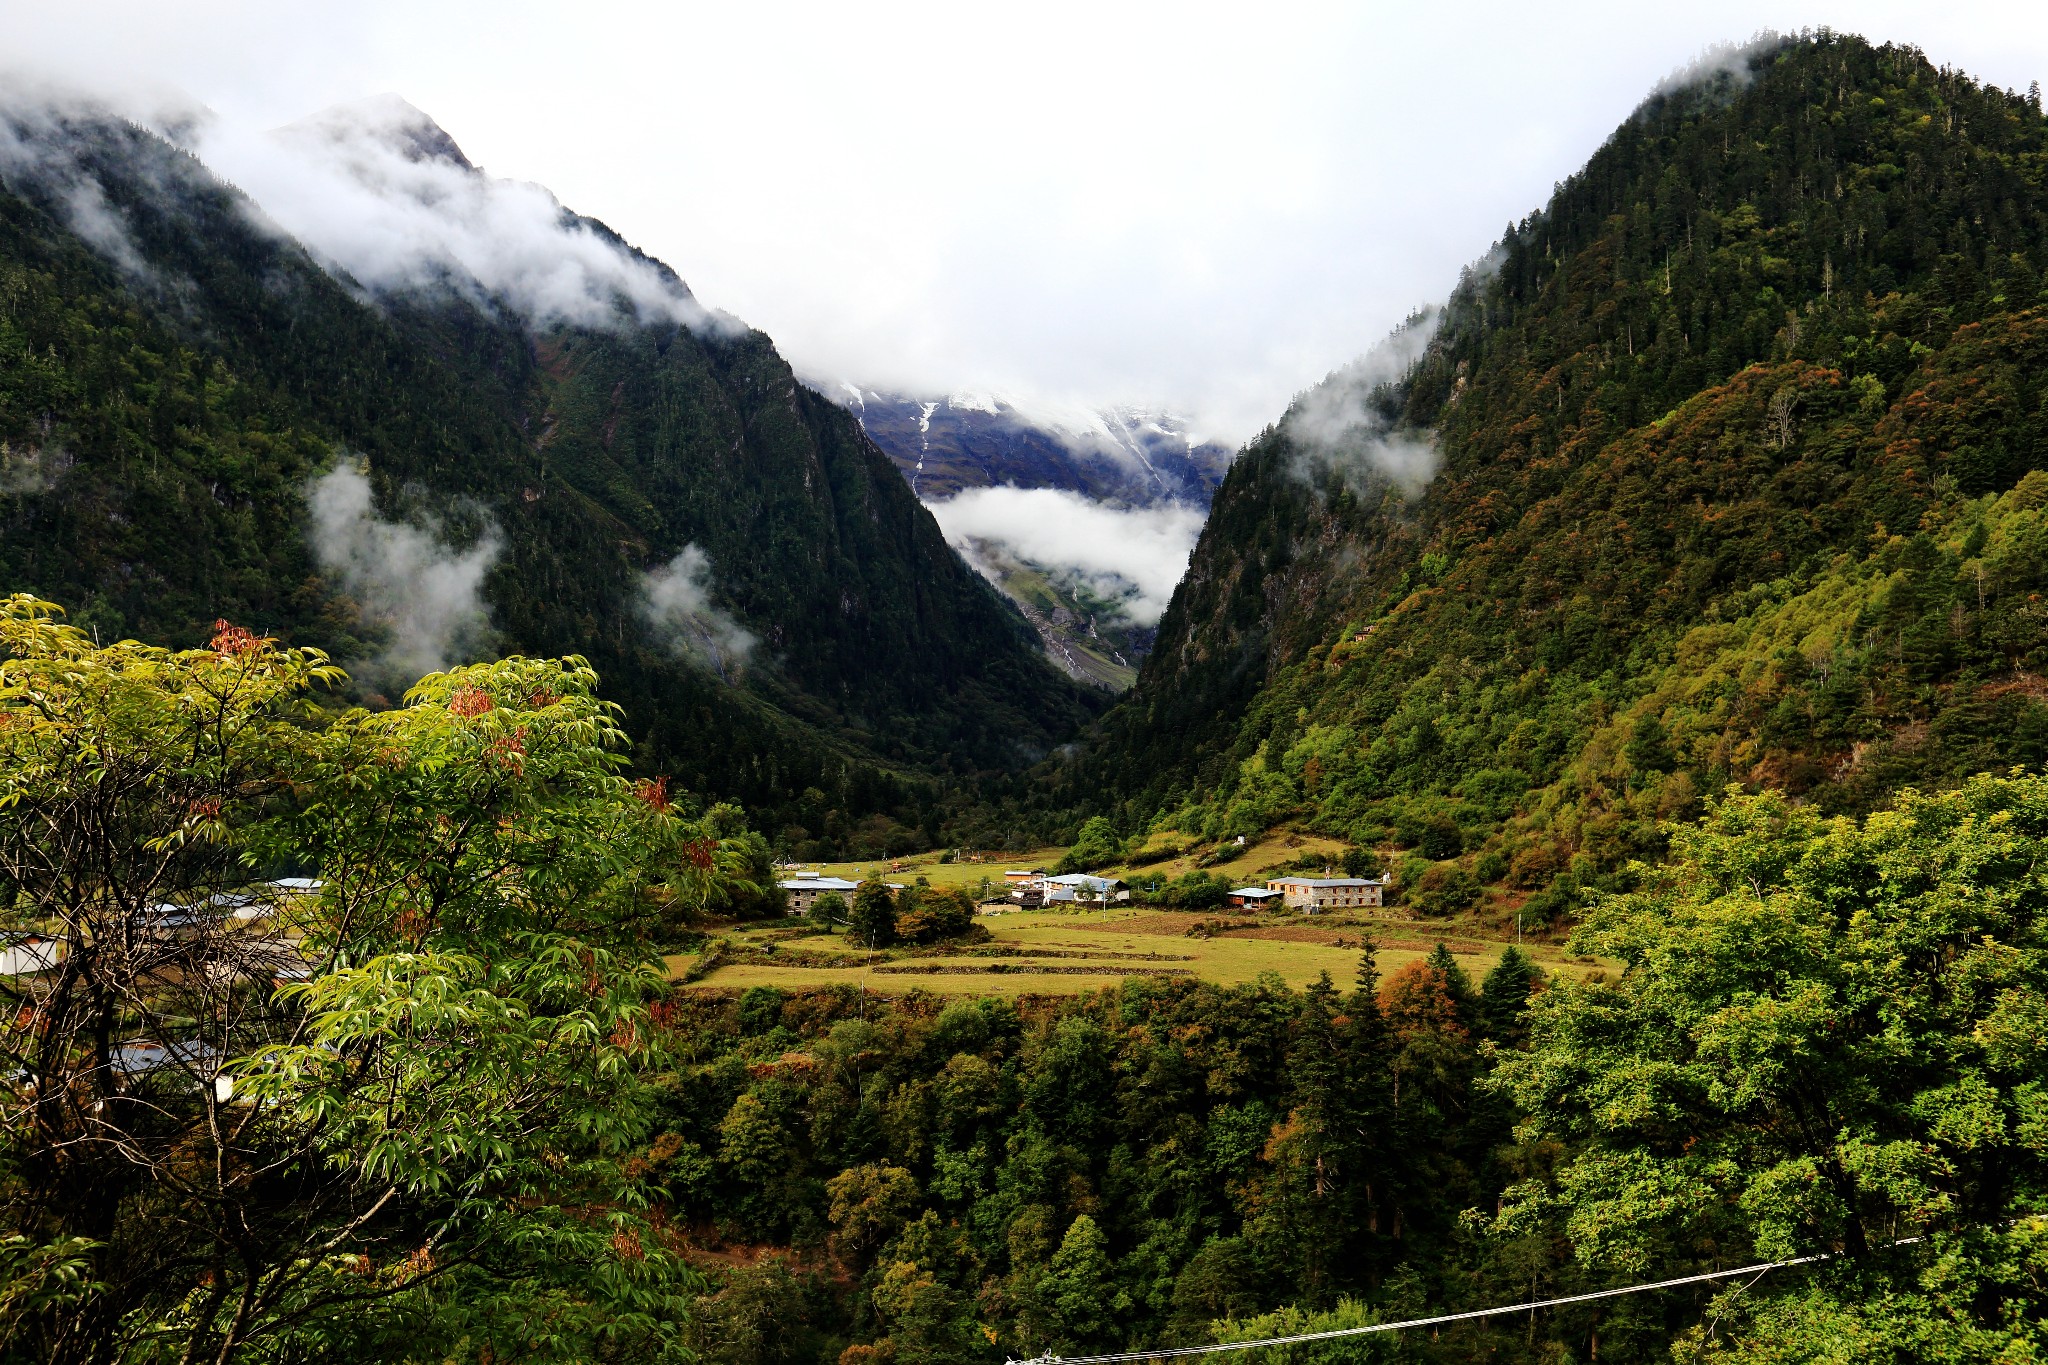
(1343, 425)
(1135, 556)
(26, 471)
(423, 595)
(377, 190)
(33, 144)
(1715, 61)
(675, 602)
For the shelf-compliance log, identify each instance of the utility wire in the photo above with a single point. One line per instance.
(1166, 1353)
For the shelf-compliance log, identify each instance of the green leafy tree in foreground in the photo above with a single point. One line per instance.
(1829, 1036)
(384, 1118)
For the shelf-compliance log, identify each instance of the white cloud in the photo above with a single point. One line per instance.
(425, 595)
(30, 145)
(1337, 425)
(675, 602)
(1137, 555)
(1195, 206)
(376, 189)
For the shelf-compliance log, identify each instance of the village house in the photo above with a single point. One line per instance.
(1317, 894)
(1071, 889)
(803, 892)
(1252, 898)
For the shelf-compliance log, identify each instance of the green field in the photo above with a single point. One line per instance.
(1048, 953)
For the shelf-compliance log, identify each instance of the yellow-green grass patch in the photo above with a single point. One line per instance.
(927, 865)
(1276, 846)
(1124, 943)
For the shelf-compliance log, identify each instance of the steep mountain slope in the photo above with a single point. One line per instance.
(183, 370)
(1124, 455)
(1740, 444)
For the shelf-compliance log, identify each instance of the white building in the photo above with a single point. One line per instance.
(1317, 894)
(1075, 887)
(27, 954)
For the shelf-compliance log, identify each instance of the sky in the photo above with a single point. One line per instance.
(1204, 208)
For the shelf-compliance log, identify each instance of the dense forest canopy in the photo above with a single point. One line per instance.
(1740, 448)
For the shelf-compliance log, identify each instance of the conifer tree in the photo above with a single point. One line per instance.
(1504, 996)
(872, 921)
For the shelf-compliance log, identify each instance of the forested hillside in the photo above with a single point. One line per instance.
(1740, 446)
(179, 372)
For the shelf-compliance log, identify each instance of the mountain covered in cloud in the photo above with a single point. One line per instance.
(337, 384)
(1084, 517)
(1128, 456)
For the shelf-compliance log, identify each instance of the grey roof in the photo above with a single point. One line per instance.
(141, 1055)
(819, 884)
(1333, 881)
(1077, 880)
(1253, 891)
(164, 915)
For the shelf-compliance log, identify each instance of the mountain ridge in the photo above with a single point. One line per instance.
(218, 364)
(1741, 304)
(944, 443)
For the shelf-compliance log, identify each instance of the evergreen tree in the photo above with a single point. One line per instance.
(1081, 1300)
(1457, 984)
(872, 921)
(1504, 996)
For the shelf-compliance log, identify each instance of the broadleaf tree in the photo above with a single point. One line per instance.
(1826, 1039)
(339, 1040)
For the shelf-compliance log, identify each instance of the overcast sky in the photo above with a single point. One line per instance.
(1203, 207)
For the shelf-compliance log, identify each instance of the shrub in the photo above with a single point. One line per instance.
(1361, 862)
(1193, 891)
(1444, 889)
(1441, 838)
(760, 1009)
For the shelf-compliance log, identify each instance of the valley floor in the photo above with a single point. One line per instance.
(1036, 952)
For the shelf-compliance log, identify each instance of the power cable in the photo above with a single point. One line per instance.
(1168, 1353)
